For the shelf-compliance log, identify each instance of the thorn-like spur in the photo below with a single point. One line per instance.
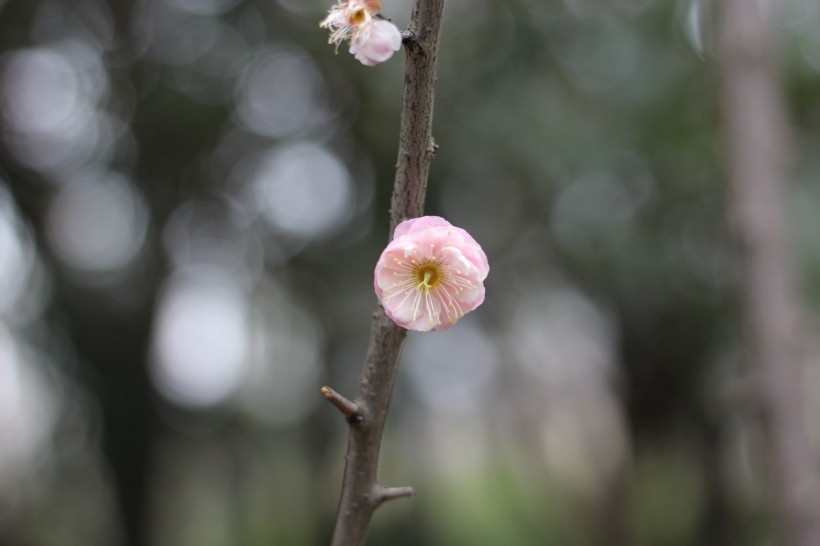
(349, 409)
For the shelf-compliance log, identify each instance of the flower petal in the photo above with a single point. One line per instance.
(378, 44)
(418, 224)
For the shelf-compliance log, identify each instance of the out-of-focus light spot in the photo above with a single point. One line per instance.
(53, 154)
(41, 92)
(16, 256)
(449, 369)
(200, 341)
(303, 190)
(562, 337)
(282, 93)
(88, 141)
(27, 410)
(97, 223)
(48, 99)
(593, 213)
(89, 67)
(214, 233)
(286, 355)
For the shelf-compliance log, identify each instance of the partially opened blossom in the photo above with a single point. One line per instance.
(430, 275)
(372, 40)
(383, 40)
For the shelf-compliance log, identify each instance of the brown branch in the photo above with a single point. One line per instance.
(348, 408)
(361, 492)
(756, 137)
(384, 494)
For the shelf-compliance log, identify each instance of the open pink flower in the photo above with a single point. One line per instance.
(430, 275)
(372, 40)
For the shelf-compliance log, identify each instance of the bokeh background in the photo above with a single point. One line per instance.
(193, 194)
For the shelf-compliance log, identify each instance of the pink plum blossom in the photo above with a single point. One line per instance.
(384, 39)
(430, 275)
(372, 40)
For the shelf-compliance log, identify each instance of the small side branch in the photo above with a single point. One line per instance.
(384, 494)
(348, 408)
(433, 148)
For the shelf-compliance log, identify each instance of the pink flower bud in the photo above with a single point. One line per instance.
(430, 275)
(379, 45)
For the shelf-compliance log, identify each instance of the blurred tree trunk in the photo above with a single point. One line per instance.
(756, 140)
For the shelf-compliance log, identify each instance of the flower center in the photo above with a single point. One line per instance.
(428, 275)
(358, 17)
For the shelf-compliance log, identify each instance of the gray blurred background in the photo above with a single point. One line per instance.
(193, 194)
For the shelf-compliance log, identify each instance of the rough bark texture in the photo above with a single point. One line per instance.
(756, 138)
(361, 491)
(416, 145)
